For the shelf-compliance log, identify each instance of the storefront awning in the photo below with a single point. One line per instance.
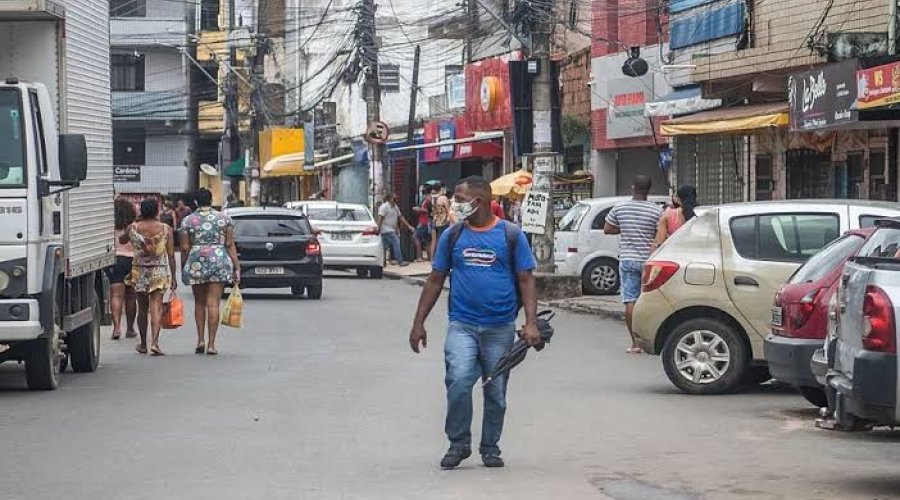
(738, 119)
(236, 168)
(682, 101)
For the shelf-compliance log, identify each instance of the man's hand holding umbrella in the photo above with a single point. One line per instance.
(531, 335)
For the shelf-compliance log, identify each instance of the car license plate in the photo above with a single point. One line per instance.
(341, 236)
(776, 316)
(269, 270)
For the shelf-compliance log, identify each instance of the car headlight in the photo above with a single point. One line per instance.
(4, 281)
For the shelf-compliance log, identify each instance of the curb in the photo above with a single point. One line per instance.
(603, 312)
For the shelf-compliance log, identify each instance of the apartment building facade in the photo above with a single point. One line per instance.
(786, 76)
(153, 133)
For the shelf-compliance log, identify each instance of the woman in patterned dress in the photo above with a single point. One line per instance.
(152, 271)
(210, 262)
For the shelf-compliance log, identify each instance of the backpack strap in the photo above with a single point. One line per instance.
(453, 234)
(512, 241)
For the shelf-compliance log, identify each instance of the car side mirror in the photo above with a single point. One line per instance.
(72, 158)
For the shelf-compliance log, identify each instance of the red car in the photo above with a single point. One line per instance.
(800, 315)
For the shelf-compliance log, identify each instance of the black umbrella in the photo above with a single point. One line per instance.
(520, 349)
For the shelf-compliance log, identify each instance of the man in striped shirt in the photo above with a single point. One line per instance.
(635, 221)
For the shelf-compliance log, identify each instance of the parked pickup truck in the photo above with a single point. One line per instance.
(862, 355)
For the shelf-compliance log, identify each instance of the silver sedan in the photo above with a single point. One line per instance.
(348, 235)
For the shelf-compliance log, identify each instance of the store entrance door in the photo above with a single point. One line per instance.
(809, 174)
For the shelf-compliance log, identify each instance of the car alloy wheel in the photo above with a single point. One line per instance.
(604, 277)
(702, 357)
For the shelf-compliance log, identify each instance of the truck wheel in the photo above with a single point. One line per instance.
(314, 291)
(42, 365)
(600, 277)
(362, 272)
(297, 291)
(815, 395)
(376, 273)
(84, 342)
(705, 356)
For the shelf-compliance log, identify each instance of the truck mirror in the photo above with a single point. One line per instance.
(72, 157)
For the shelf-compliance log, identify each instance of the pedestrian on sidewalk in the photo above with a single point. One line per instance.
(424, 234)
(122, 296)
(152, 272)
(682, 210)
(492, 275)
(442, 217)
(635, 221)
(210, 262)
(389, 221)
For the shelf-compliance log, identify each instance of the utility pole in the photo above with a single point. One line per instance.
(411, 175)
(257, 81)
(231, 148)
(372, 89)
(544, 161)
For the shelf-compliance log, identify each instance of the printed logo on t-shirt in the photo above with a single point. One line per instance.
(479, 257)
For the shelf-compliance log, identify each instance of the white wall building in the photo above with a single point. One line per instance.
(152, 138)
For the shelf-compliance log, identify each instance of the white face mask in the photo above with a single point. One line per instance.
(464, 210)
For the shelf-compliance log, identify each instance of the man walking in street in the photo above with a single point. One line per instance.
(635, 221)
(389, 220)
(491, 266)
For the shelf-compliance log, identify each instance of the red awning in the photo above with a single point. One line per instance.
(480, 149)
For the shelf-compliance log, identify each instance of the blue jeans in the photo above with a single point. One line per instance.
(470, 353)
(630, 279)
(392, 241)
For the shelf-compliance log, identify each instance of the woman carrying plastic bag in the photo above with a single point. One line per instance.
(210, 263)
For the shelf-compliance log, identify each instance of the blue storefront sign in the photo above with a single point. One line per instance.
(446, 132)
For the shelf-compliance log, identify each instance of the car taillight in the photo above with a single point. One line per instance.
(313, 248)
(656, 274)
(804, 310)
(878, 321)
(370, 231)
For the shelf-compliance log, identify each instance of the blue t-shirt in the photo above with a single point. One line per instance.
(483, 285)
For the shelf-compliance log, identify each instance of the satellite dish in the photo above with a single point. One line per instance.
(209, 170)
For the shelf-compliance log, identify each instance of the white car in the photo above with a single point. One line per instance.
(348, 235)
(581, 248)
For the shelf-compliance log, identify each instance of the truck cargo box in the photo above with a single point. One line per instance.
(77, 32)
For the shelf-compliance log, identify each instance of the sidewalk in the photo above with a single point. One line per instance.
(606, 306)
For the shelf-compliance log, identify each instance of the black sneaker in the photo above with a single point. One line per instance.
(492, 460)
(454, 457)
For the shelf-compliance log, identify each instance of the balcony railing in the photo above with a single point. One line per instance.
(147, 31)
(150, 106)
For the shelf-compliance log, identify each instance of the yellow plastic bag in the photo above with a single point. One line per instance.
(231, 313)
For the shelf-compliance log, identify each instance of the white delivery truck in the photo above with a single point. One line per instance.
(56, 193)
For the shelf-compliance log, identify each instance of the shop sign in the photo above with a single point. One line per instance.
(127, 173)
(446, 132)
(488, 105)
(627, 99)
(878, 86)
(822, 97)
(534, 211)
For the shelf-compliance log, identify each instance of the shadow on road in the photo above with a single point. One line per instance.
(884, 486)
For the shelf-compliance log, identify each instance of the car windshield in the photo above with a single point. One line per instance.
(338, 214)
(824, 262)
(885, 242)
(572, 219)
(267, 226)
(12, 142)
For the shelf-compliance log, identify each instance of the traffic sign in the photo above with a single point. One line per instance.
(378, 133)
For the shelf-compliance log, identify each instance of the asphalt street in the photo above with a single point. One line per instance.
(324, 400)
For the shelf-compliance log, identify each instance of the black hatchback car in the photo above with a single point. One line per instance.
(278, 248)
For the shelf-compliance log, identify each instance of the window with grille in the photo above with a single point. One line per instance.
(389, 77)
(127, 72)
(128, 8)
(764, 184)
